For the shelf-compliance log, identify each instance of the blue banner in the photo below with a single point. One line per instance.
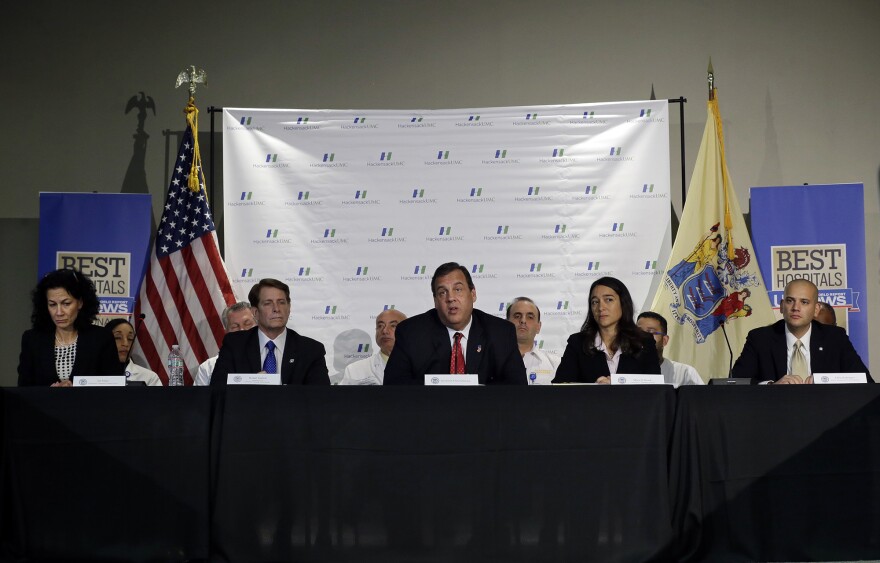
(817, 233)
(106, 236)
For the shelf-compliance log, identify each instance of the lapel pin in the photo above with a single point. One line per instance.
(290, 361)
(479, 348)
(820, 348)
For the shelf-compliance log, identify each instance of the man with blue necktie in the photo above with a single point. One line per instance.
(270, 346)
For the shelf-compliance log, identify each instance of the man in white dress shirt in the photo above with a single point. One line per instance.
(371, 371)
(239, 316)
(526, 317)
(673, 372)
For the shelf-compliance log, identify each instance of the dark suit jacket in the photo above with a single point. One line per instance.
(422, 346)
(302, 364)
(765, 355)
(95, 355)
(579, 366)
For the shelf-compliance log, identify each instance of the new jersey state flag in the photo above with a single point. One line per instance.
(712, 278)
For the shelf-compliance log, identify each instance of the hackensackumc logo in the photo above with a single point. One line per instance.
(708, 288)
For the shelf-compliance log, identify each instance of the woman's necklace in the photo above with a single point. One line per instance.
(61, 342)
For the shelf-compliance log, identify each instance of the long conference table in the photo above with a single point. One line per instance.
(373, 474)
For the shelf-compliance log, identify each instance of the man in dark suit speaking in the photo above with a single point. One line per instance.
(270, 346)
(453, 337)
(793, 349)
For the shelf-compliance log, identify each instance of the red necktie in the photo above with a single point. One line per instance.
(456, 362)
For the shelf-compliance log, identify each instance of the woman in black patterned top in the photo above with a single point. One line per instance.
(64, 342)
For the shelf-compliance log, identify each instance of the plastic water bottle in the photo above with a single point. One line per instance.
(175, 367)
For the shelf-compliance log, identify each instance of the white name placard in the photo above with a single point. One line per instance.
(452, 379)
(825, 378)
(637, 379)
(253, 379)
(99, 381)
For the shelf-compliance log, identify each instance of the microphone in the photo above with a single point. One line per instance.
(729, 349)
(137, 324)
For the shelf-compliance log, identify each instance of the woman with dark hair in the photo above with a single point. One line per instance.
(123, 335)
(609, 342)
(64, 342)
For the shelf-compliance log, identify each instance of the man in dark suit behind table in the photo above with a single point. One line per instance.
(794, 348)
(453, 337)
(270, 346)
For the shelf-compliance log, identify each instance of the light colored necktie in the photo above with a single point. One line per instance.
(799, 361)
(269, 364)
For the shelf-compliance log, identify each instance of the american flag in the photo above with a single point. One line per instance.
(186, 286)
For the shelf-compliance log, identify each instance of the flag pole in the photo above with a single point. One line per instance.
(193, 76)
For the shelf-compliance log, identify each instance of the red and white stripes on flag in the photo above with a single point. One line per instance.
(186, 286)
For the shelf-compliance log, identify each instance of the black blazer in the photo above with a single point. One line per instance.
(765, 354)
(422, 346)
(95, 355)
(579, 366)
(302, 364)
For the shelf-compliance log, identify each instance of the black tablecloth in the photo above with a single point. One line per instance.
(444, 474)
(778, 473)
(582, 473)
(118, 474)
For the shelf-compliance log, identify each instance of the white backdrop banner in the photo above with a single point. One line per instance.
(354, 209)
